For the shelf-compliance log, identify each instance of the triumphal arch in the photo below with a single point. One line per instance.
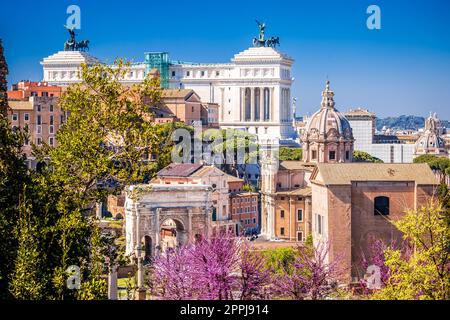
(153, 209)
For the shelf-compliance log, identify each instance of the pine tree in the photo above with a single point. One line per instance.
(3, 82)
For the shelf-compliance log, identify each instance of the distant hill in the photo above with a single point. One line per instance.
(405, 122)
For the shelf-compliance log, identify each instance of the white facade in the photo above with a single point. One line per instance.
(63, 67)
(253, 91)
(363, 127)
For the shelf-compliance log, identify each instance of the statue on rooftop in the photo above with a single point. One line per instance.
(261, 41)
(72, 44)
(69, 45)
(262, 29)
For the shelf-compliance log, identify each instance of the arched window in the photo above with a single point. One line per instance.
(266, 104)
(257, 104)
(381, 206)
(247, 104)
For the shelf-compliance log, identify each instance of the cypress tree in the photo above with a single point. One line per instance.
(3, 82)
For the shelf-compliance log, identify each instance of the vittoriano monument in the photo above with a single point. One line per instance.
(73, 45)
(261, 41)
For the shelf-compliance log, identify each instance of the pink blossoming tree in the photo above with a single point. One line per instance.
(311, 276)
(220, 268)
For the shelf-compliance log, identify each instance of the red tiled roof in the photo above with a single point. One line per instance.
(179, 170)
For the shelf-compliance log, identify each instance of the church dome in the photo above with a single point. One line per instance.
(328, 122)
(430, 142)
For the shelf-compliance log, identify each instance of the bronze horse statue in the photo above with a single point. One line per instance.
(82, 45)
(273, 42)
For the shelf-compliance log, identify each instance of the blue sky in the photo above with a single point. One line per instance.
(404, 68)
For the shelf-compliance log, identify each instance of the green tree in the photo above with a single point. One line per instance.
(440, 165)
(361, 156)
(290, 154)
(27, 282)
(13, 178)
(280, 259)
(235, 146)
(107, 142)
(108, 138)
(425, 272)
(3, 82)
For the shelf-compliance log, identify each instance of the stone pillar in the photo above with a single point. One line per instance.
(112, 283)
(252, 104)
(271, 106)
(156, 227)
(98, 210)
(190, 225)
(308, 217)
(242, 95)
(272, 219)
(261, 104)
(141, 292)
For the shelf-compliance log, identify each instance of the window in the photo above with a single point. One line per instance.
(202, 73)
(51, 141)
(332, 155)
(217, 73)
(192, 109)
(51, 129)
(214, 214)
(45, 94)
(282, 231)
(299, 214)
(188, 73)
(39, 120)
(61, 118)
(38, 108)
(282, 214)
(347, 155)
(381, 206)
(319, 222)
(14, 117)
(299, 236)
(51, 120)
(26, 116)
(314, 154)
(51, 108)
(39, 141)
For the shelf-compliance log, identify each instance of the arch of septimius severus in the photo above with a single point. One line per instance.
(148, 207)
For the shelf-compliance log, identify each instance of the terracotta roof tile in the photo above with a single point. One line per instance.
(179, 170)
(346, 173)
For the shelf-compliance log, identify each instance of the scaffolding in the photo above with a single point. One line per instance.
(160, 61)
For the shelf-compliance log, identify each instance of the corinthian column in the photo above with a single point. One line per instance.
(252, 104)
(261, 104)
